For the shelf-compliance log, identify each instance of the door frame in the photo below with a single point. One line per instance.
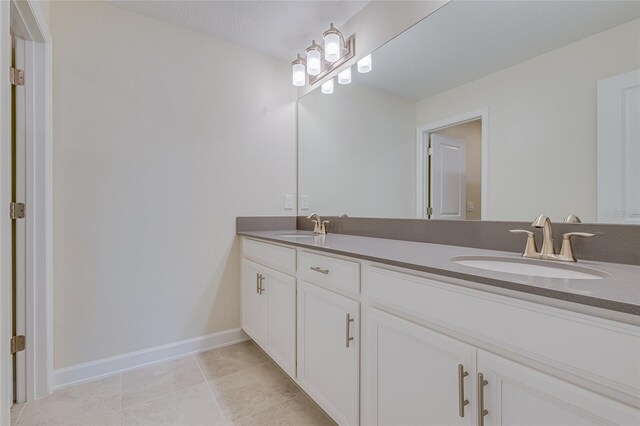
(422, 140)
(27, 20)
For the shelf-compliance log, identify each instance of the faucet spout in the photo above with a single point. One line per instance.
(544, 222)
(317, 222)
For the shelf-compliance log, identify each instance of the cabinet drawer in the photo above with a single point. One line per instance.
(572, 342)
(277, 257)
(330, 272)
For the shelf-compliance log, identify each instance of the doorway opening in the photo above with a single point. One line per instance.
(452, 168)
(26, 205)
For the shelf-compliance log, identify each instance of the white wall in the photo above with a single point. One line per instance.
(162, 137)
(356, 150)
(542, 124)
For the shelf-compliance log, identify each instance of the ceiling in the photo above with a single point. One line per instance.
(465, 40)
(277, 28)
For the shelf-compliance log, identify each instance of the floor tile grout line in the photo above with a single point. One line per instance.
(211, 392)
(121, 392)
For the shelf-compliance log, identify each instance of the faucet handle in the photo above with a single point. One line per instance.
(566, 251)
(577, 234)
(531, 249)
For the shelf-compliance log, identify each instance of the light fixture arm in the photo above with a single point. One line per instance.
(350, 52)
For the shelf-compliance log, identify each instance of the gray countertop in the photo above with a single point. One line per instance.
(618, 290)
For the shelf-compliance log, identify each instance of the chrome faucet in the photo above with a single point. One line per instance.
(319, 226)
(548, 252)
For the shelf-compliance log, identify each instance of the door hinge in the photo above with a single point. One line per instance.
(430, 151)
(429, 211)
(17, 343)
(16, 211)
(16, 76)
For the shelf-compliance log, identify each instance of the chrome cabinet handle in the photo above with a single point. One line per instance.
(481, 411)
(347, 322)
(461, 400)
(258, 283)
(319, 269)
(261, 286)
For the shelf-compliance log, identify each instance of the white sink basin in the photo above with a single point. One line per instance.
(296, 235)
(532, 268)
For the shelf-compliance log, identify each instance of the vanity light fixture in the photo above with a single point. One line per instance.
(332, 44)
(344, 77)
(327, 87)
(299, 72)
(314, 58)
(318, 62)
(364, 64)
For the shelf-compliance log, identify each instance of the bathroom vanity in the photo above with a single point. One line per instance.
(395, 332)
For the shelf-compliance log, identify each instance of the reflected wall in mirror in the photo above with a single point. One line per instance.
(485, 110)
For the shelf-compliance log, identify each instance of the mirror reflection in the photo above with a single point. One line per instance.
(485, 111)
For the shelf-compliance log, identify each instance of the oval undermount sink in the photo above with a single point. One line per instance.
(296, 235)
(532, 268)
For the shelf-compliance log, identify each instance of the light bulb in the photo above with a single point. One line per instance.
(314, 59)
(327, 87)
(364, 64)
(299, 76)
(345, 76)
(331, 47)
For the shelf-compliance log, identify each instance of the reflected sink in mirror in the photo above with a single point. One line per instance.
(532, 268)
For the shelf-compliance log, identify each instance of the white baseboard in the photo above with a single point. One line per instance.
(105, 367)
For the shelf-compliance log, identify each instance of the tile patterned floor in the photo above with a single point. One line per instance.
(234, 385)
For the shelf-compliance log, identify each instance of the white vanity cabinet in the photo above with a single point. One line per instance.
(328, 350)
(269, 303)
(414, 376)
(380, 345)
(515, 394)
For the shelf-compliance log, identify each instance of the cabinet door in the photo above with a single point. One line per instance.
(328, 342)
(280, 293)
(410, 374)
(519, 395)
(254, 305)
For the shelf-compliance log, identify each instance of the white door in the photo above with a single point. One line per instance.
(518, 395)
(328, 354)
(254, 304)
(280, 292)
(411, 375)
(619, 149)
(448, 177)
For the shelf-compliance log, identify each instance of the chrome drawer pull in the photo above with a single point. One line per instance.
(258, 283)
(261, 286)
(461, 401)
(348, 338)
(481, 411)
(319, 269)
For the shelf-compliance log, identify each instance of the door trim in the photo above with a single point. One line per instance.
(27, 19)
(422, 137)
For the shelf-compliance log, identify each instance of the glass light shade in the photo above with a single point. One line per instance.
(327, 87)
(364, 64)
(299, 76)
(345, 76)
(331, 47)
(314, 62)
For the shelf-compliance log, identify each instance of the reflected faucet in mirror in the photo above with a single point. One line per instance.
(319, 225)
(548, 252)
